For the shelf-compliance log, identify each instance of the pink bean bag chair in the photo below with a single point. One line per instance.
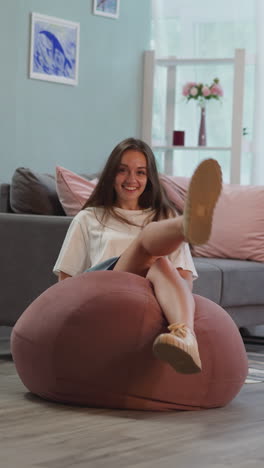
(88, 341)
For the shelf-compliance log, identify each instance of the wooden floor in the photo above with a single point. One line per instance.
(34, 433)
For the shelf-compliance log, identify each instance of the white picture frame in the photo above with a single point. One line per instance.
(108, 8)
(54, 49)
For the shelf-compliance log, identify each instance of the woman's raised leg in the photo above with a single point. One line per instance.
(156, 240)
(163, 237)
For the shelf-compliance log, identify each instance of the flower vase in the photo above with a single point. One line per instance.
(202, 129)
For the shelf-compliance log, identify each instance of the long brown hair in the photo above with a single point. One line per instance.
(154, 195)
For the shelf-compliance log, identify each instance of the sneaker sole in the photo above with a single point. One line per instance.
(203, 193)
(179, 359)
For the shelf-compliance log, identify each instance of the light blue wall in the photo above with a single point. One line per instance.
(45, 124)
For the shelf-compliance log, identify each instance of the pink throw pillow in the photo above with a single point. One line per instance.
(73, 190)
(176, 189)
(238, 225)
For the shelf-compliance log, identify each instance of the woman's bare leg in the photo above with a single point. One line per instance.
(173, 292)
(156, 240)
(179, 347)
(143, 257)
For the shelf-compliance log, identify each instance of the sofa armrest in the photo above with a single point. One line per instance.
(5, 198)
(29, 246)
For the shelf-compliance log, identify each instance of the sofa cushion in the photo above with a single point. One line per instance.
(242, 281)
(5, 198)
(73, 190)
(238, 225)
(176, 189)
(34, 193)
(209, 281)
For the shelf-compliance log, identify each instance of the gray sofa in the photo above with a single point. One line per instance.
(30, 243)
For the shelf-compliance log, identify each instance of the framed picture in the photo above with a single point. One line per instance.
(54, 49)
(108, 8)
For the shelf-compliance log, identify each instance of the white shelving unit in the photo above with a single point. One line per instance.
(171, 64)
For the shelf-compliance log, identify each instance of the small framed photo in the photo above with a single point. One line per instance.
(109, 8)
(54, 49)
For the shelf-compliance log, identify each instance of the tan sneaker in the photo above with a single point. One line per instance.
(179, 348)
(203, 192)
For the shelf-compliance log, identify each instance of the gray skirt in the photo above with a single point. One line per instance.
(108, 264)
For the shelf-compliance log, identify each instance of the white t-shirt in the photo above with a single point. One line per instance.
(88, 242)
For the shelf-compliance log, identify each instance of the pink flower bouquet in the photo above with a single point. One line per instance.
(202, 92)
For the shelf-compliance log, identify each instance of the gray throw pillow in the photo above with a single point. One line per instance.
(34, 193)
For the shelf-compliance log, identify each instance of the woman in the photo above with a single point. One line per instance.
(128, 224)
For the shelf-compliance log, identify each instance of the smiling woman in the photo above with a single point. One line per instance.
(129, 225)
(130, 180)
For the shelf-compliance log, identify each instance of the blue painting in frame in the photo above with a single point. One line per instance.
(54, 51)
(109, 8)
